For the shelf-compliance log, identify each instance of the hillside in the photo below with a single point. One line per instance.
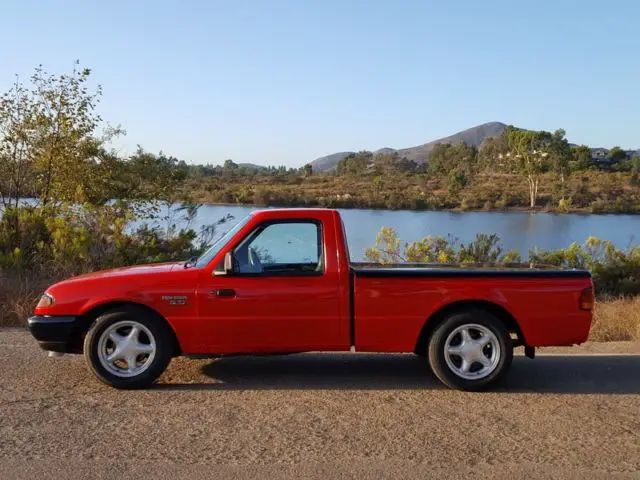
(473, 136)
(328, 162)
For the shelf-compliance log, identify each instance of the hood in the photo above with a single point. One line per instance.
(128, 271)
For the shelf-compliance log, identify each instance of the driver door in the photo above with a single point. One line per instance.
(279, 297)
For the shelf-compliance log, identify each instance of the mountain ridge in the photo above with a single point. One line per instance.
(473, 136)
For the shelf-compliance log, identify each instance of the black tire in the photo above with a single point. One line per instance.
(437, 356)
(164, 347)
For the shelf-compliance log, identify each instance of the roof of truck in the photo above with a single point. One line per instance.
(293, 209)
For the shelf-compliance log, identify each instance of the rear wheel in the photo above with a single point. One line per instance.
(470, 350)
(128, 348)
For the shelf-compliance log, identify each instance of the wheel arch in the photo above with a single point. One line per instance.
(88, 317)
(500, 312)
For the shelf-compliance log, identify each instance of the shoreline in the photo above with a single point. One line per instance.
(537, 210)
(518, 209)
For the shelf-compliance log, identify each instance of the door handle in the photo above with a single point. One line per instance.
(224, 292)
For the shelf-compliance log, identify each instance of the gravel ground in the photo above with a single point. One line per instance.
(321, 416)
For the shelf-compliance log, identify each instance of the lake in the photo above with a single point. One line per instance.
(519, 231)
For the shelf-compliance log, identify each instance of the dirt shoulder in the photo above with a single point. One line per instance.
(600, 348)
(320, 416)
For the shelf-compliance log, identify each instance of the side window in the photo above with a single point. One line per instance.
(281, 248)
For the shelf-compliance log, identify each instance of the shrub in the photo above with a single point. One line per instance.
(615, 272)
(74, 240)
(564, 205)
(484, 249)
(261, 197)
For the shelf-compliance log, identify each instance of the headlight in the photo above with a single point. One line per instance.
(45, 301)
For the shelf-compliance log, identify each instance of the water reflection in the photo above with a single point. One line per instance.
(519, 231)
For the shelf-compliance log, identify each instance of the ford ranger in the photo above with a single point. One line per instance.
(281, 281)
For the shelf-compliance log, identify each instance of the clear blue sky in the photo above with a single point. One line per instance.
(285, 81)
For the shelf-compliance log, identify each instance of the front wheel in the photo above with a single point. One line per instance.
(128, 348)
(470, 350)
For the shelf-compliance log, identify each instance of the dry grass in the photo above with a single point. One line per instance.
(616, 320)
(18, 296)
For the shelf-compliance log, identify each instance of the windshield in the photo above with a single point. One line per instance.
(213, 250)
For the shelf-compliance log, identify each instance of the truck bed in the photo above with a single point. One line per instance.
(392, 301)
(363, 269)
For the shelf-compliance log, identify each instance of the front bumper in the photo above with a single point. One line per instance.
(53, 333)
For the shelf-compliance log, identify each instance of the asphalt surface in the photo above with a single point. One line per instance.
(320, 416)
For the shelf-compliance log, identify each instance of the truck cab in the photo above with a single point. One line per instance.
(280, 284)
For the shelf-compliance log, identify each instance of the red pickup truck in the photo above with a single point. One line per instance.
(280, 281)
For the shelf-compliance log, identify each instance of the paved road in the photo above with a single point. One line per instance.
(318, 416)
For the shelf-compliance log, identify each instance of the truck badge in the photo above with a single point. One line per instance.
(175, 299)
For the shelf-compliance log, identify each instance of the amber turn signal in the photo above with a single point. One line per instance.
(587, 299)
(46, 300)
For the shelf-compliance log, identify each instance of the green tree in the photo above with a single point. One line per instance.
(52, 141)
(560, 155)
(457, 180)
(16, 133)
(616, 154)
(529, 156)
(404, 165)
(445, 157)
(355, 163)
(438, 158)
(493, 151)
(230, 165)
(153, 177)
(581, 158)
(635, 170)
(377, 184)
(69, 137)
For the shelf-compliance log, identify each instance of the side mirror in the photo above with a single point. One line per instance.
(227, 265)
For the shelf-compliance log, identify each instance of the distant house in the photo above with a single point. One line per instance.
(599, 156)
